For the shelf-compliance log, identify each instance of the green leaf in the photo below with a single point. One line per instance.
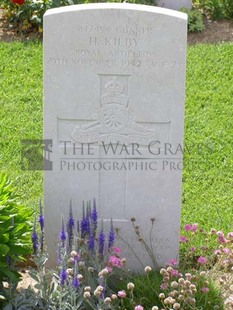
(34, 276)
(4, 238)
(19, 249)
(19, 227)
(12, 275)
(4, 249)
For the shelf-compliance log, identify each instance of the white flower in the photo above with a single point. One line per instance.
(147, 269)
(174, 284)
(97, 293)
(100, 288)
(113, 296)
(130, 286)
(202, 273)
(161, 295)
(104, 272)
(176, 306)
(86, 295)
(107, 300)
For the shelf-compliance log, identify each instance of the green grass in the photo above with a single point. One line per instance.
(207, 186)
(20, 113)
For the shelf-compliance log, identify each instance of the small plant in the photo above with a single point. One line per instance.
(215, 9)
(14, 236)
(91, 274)
(87, 262)
(228, 9)
(202, 248)
(25, 15)
(195, 20)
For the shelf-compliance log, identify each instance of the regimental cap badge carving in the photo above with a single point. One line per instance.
(114, 86)
(114, 93)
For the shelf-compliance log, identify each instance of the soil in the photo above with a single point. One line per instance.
(215, 32)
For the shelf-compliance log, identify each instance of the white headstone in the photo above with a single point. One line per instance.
(175, 4)
(114, 77)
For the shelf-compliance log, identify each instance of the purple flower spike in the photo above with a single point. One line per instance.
(85, 224)
(71, 218)
(34, 238)
(70, 226)
(91, 243)
(101, 241)
(41, 218)
(63, 276)
(111, 236)
(41, 222)
(62, 235)
(75, 282)
(35, 244)
(59, 259)
(94, 216)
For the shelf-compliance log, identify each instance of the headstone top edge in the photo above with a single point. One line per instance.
(117, 6)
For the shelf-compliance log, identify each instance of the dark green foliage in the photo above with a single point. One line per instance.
(195, 20)
(215, 9)
(14, 231)
(228, 8)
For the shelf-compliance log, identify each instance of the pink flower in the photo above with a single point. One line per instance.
(115, 261)
(204, 289)
(202, 260)
(116, 250)
(172, 262)
(121, 294)
(216, 252)
(230, 235)
(192, 249)
(183, 239)
(174, 273)
(139, 307)
(226, 250)
(109, 269)
(194, 227)
(220, 233)
(163, 286)
(221, 239)
(190, 227)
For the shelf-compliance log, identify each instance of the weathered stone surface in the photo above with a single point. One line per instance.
(114, 78)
